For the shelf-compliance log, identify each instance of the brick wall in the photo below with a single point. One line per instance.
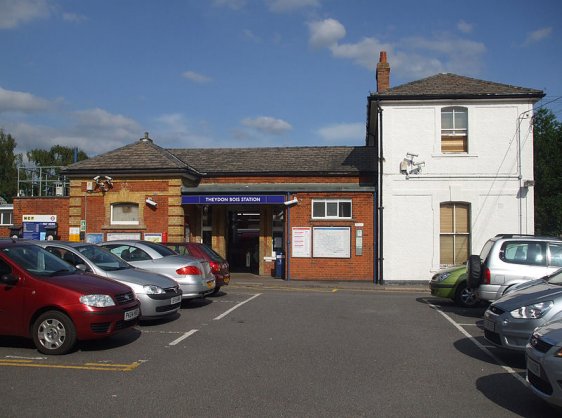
(43, 206)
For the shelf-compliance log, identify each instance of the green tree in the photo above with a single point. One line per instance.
(58, 155)
(548, 179)
(9, 162)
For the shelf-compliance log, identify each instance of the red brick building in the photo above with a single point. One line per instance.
(307, 210)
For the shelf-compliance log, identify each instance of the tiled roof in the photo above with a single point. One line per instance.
(280, 160)
(146, 157)
(447, 85)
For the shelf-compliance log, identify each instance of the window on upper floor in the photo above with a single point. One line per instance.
(454, 129)
(331, 209)
(125, 214)
(454, 234)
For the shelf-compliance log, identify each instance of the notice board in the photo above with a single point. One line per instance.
(300, 242)
(331, 242)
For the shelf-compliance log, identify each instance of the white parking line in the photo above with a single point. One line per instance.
(478, 344)
(221, 316)
(183, 337)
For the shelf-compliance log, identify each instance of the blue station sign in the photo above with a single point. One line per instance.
(237, 199)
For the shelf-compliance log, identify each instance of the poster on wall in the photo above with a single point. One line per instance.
(153, 237)
(331, 242)
(36, 226)
(300, 242)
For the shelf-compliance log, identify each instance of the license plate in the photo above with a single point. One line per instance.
(489, 325)
(226, 279)
(533, 367)
(132, 314)
(175, 299)
(210, 284)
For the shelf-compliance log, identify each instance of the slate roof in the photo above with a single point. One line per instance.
(453, 86)
(145, 157)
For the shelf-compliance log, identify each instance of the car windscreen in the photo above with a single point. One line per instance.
(37, 261)
(556, 278)
(102, 258)
(212, 254)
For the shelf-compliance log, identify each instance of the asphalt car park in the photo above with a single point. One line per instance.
(273, 349)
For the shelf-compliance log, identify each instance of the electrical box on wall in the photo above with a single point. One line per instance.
(89, 186)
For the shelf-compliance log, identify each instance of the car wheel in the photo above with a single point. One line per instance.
(474, 271)
(54, 333)
(466, 297)
(216, 290)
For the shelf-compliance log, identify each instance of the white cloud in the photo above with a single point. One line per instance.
(282, 6)
(325, 33)
(17, 12)
(196, 77)
(268, 125)
(342, 132)
(464, 27)
(537, 36)
(21, 102)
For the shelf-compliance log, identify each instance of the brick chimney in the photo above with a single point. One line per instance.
(383, 73)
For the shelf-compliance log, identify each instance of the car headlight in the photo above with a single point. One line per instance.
(442, 276)
(151, 289)
(98, 301)
(534, 311)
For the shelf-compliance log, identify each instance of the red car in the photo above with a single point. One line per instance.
(219, 266)
(48, 300)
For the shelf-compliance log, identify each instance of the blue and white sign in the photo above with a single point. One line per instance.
(238, 199)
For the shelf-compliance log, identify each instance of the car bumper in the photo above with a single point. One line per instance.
(508, 332)
(443, 290)
(157, 306)
(545, 385)
(96, 323)
(200, 288)
(490, 292)
(222, 280)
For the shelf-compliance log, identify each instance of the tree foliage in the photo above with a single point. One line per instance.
(58, 155)
(548, 179)
(9, 162)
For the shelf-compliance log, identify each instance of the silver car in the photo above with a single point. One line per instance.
(158, 295)
(510, 321)
(192, 274)
(544, 363)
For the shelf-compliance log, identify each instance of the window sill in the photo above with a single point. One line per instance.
(122, 226)
(454, 155)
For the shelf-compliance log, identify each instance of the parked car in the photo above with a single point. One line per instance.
(48, 300)
(219, 266)
(192, 274)
(510, 321)
(544, 363)
(508, 260)
(158, 295)
(451, 283)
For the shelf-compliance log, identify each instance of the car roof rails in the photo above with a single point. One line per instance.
(528, 236)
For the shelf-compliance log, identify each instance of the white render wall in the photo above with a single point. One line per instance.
(487, 178)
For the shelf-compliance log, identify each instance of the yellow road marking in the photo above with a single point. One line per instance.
(85, 366)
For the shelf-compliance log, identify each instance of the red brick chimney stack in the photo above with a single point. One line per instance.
(383, 73)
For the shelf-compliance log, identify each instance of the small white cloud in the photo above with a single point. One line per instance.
(17, 101)
(17, 12)
(537, 36)
(196, 77)
(342, 132)
(325, 33)
(283, 6)
(464, 27)
(268, 125)
(100, 118)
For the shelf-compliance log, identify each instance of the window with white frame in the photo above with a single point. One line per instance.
(6, 216)
(125, 214)
(331, 208)
(454, 233)
(454, 129)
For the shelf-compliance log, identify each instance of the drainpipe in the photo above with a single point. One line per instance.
(380, 195)
(287, 263)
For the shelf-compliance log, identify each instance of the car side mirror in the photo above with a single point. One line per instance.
(8, 279)
(82, 267)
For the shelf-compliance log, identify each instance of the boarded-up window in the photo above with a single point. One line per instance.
(454, 129)
(454, 233)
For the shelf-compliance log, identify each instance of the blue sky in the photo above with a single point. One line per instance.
(248, 73)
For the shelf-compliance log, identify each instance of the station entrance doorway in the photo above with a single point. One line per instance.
(243, 241)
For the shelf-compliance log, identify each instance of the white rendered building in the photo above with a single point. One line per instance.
(455, 168)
